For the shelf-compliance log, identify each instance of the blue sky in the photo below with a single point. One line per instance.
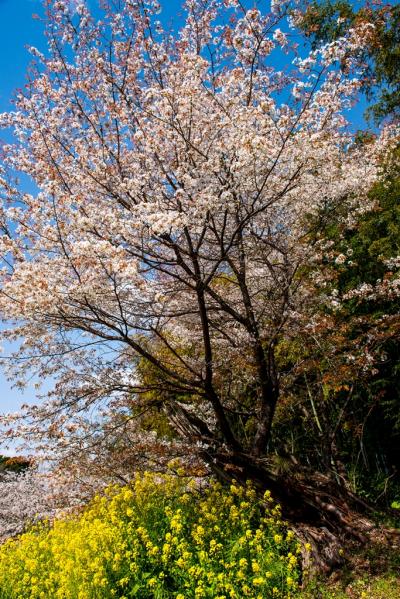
(17, 30)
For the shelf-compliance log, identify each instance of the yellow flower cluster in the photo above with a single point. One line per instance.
(161, 537)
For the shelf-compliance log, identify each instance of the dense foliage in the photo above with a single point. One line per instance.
(350, 410)
(357, 410)
(161, 537)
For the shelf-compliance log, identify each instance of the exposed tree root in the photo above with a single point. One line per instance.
(327, 517)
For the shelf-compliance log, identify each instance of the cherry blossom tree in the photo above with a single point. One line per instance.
(32, 495)
(181, 178)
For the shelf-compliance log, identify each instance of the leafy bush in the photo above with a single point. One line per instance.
(160, 537)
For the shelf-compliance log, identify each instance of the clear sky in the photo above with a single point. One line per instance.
(17, 30)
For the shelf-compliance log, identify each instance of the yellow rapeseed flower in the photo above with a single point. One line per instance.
(207, 540)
